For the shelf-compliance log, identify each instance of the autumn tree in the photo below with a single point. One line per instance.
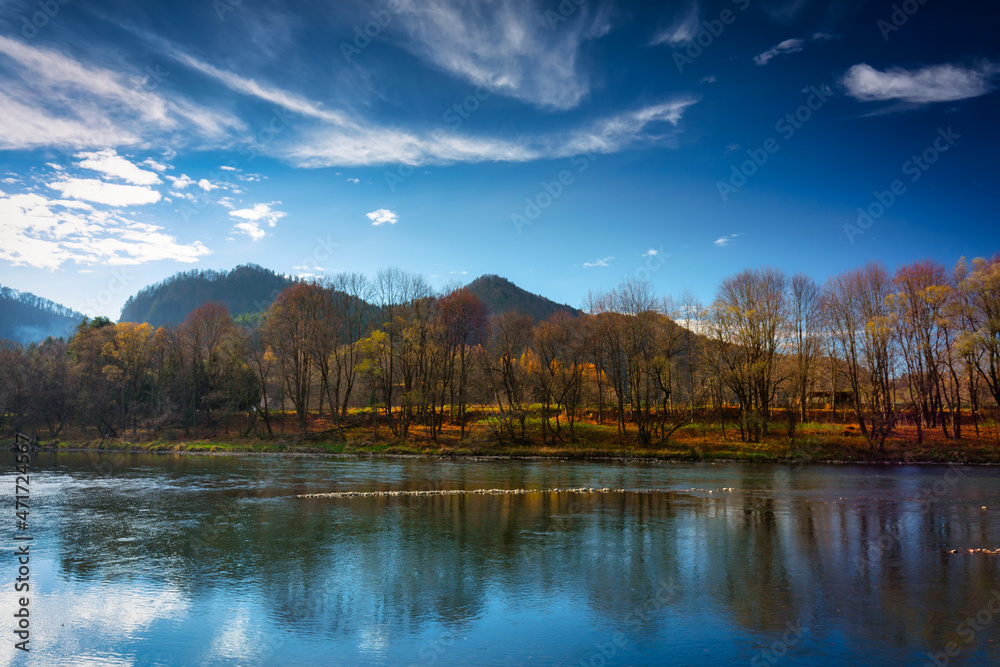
(462, 324)
(804, 313)
(749, 322)
(127, 359)
(288, 323)
(862, 326)
(560, 354)
(917, 305)
(980, 290)
(503, 365)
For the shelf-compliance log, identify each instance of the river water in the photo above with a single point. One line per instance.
(215, 560)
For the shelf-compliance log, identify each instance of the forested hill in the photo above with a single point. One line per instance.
(26, 318)
(245, 289)
(499, 295)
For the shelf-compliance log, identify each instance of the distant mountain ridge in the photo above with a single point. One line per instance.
(246, 289)
(250, 288)
(500, 295)
(26, 318)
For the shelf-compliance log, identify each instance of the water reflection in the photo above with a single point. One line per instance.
(213, 560)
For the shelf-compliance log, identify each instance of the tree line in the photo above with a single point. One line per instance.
(920, 345)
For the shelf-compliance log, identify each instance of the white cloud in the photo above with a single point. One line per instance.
(599, 262)
(51, 99)
(784, 11)
(645, 126)
(683, 30)
(723, 241)
(787, 46)
(154, 165)
(254, 216)
(226, 167)
(46, 233)
(112, 194)
(290, 101)
(937, 83)
(251, 229)
(652, 252)
(340, 139)
(707, 79)
(506, 46)
(382, 216)
(354, 180)
(207, 185)
(180, 182)
(109, 163)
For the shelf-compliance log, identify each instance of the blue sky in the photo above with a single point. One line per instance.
(565, 146)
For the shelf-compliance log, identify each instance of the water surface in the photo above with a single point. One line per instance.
(212, 560)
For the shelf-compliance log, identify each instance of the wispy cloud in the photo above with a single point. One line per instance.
(291, 101)
(599, 262)
(787, 46)
(784, 11)
(682, 30)
(382, 216)
(505, 45)
(110, 194)
(723, 241)
(937, 83)
(326, 146)
(51, 99)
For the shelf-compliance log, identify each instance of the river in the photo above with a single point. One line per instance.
(215, 560)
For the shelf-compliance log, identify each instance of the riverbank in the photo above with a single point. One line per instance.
(817, 443)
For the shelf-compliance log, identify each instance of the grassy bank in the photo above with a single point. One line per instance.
(696, 442)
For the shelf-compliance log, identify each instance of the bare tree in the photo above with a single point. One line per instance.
(749, 321)
(805, 318)
(862, 326)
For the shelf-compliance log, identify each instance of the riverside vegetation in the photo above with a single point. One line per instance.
(870, 366)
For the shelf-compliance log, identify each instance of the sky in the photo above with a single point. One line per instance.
(563, 145)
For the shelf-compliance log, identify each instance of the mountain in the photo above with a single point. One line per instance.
(26, 318)
(246, 289)
(500, 295)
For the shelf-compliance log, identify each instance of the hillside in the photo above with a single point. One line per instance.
(245, 289)
(26, 318)
(499, 295)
